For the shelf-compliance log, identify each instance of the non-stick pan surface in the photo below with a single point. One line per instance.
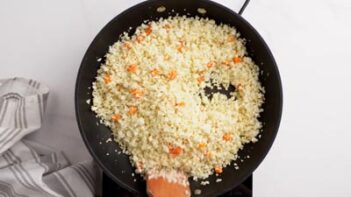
(107, 154)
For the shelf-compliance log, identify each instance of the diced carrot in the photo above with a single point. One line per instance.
(136, 93)
(172, 75)
(154, 72)
(201, 79)
(132, 68)
(175, 151)
(180, 104)
(180, 47)
(107, 79)
(202, 146)
(116, 117)
(236, 59)
(218, 170)
(132, 110)
(148, 30)
(140, 38)
(210, 64)
(127, 45)
(227, 137)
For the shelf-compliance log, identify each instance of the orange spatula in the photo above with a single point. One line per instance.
(167, 184)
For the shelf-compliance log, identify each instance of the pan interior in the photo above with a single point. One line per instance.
(108, 154)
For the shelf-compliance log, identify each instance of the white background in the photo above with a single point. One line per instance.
(46, 40)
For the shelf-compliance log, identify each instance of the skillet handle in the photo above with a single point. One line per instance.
(243, 7)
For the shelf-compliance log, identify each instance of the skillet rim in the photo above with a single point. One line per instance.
(151, 3)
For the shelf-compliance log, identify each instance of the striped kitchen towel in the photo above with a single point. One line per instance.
(27, 168)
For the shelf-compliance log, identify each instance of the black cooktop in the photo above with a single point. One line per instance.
(111, 189)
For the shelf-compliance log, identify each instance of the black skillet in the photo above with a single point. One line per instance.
(117, 166)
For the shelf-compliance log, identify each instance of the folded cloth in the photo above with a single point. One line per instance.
(27, 168)
(22, 105)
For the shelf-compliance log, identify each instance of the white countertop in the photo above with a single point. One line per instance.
(46, 40)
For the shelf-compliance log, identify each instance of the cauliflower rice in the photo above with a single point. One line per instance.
(150, 92)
